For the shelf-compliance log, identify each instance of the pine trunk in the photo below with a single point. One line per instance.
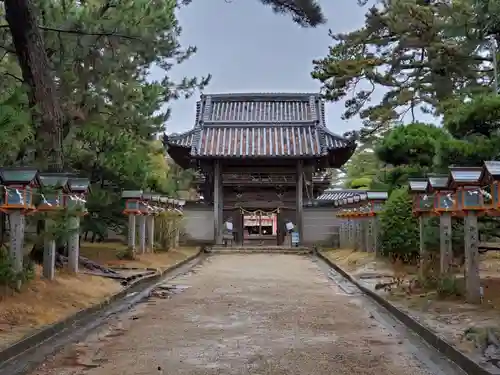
(21, 15)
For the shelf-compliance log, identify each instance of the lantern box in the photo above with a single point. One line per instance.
(376, 201)
(466, 182)
(133, 202)
(54, 186)
(164, 202)
(365, 210)
(19, 184)
(490, 176)
(145, 206)
(444, 199)
(422, 202)
(79, 188)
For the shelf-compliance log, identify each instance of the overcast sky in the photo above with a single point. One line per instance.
(248, 48)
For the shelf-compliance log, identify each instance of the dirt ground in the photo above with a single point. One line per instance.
(106, 253)
(450, 318)
(259, 314)
(43, 302)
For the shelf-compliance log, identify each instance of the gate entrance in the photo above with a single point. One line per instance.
(260, 152)
(260, 227)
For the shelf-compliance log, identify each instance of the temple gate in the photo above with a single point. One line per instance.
(260, 158)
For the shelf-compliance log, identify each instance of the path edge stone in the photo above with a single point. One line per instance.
(466, 363)
(40, 336)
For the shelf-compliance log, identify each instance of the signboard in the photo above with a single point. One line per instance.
(295, 238)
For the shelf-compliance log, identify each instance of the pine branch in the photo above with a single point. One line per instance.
(81, 32)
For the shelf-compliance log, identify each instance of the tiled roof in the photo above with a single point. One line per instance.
(261, 111)
(259, 141)
(183, 139)
(333, 195)
(336, 195)
(260, 108)
(377, 195)
(281, 124)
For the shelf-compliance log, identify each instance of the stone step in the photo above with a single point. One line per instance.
(260, 249)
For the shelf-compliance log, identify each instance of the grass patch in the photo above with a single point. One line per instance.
(43, 302)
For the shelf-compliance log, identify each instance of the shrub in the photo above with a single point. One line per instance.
(9, 279)
(399, 232)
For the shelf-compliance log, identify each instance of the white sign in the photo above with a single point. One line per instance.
(229, 226)
(289, 226)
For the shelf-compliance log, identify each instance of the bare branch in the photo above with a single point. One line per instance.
(80, 32)
(14, 76)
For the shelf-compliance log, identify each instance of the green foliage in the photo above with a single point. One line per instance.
(420, 55)
(399, 233)
(362, 183)
(167, 224)
(101, 54)
(478, 116)
(306, 13)
(413, 144)
(9, 279)
(361, 169)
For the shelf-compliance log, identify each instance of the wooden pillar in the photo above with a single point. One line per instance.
(217, 203)
(351, 241)
(445, 244)
(374, 220)
(369, 234)
(357, 234)
(131, 232)
(342, 234)
(150, 224)
(362, 234)
(472, 279)
(142, 233)
(74, 244)
(17, 227)
(49, 254)
(300, 196)
(422, 250)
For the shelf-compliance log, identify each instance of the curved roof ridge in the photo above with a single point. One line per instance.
(236, 95)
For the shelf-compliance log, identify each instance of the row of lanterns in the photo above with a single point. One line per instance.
(56, 190)
(139, 203)
(362, 204)
(464, 190)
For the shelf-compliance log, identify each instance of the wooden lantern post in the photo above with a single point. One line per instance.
(75, 204)
(350, 224)
(444, 205)
(351, 214)
(152, 200)
(132, 209)
(364, 215)
(54, 186)
(343, 227)
(180, 206)
(18, 201)
(145, 210)
(360, 202)
(376, 200)
(423, 205)
(469, 198)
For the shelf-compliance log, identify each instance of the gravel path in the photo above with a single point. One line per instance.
(259, 314)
